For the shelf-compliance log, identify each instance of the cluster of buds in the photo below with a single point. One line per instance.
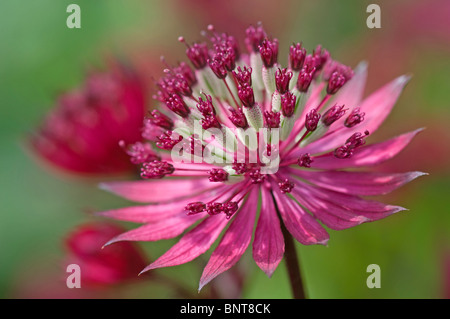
(227, 87)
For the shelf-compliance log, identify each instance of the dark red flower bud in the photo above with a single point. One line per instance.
(214, 208)
(272, 119)
(159, 119)
(336, 81)
(168, 140)
(297, 56)
(288, 102)
(230, 208)
(181, 85)
(139, 152)
(254, 38)
(237, 117)
(346, 150)
(343, 152)
(354, 118)
(312, 119)
(255, 175)
(176, 104)
(305, 160)
(282, 79)
(245, 93)
(229, 58)
(357, 139)
(186, 72)
(195, 208)
(218, 175)
(322, 57)
(210, 122)
(156, 169)
(304, 79)
(240, 168)
(224, 42)
(269, 52)
(286, 186)
(206, 106)
(198, 54)
(333, 114)
(217, 65)
(194, 145)
(243, 76)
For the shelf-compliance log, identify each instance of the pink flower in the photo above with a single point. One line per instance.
(323, 125)
(111, 265)
(82, 134)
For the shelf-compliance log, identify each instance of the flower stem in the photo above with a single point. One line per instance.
(292, 264)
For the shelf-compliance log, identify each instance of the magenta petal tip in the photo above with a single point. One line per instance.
(362, 66)
(323, 242)
(145, 270)
(112, 241)
(402, 80)
(200, 286)
(105, 187)
(417, 174)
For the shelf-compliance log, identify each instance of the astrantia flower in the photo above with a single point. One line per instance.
(82, 134)
(316, 106)
(112, 265)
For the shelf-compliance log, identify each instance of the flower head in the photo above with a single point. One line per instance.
(112, 265)
(299, 174)
(83, 133)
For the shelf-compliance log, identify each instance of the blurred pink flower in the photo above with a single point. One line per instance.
(317, 106)
(412, 28)
(428, 21)
(100, 267)
(81, 135)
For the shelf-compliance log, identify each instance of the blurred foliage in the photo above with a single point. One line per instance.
(40, 57)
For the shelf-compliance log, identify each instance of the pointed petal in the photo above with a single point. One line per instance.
(330, 214)
(268, 245)
(357, 183)
(352, 92)
(299, 223)
(158, 191)
(340, 211)
(234, 242)
(152, 213)
(379, 104)
(193, 244)
(376, 108)
(145, 213)
(367, 155)
(164, 229)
